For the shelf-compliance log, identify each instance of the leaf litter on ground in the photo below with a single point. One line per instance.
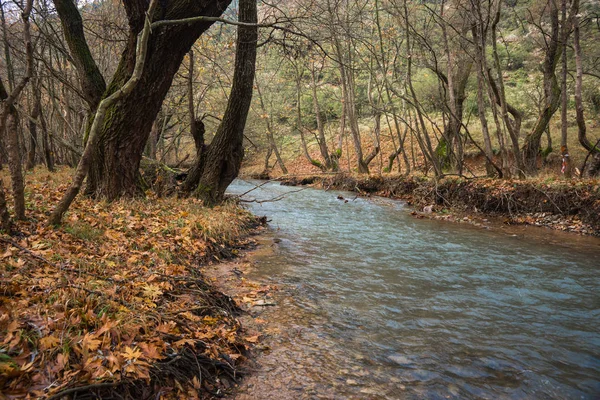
(114, 299)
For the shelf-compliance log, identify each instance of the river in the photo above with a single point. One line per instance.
(379, 304)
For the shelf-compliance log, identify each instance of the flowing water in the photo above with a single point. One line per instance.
(380, 304)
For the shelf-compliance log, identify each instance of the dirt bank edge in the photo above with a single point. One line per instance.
(572, 206)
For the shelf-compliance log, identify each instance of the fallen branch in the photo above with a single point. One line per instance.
(25, 249)
(78, 389)
(274, 199)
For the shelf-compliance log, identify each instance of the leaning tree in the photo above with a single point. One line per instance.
(114, 166)
(159, 37)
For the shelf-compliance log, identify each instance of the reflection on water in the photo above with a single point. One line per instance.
(383, 305)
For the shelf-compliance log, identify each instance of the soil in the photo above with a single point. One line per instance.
(253, 298)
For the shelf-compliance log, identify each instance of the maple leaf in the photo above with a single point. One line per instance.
(152, 291)
(139, 369)
(252, 339)
(150, 351)
(49, 342)
(183, 342)
(167, 327)
(208, 320)
(114, 363)
(196, 382)
(108, 325)
(89, 342)
(61, 361)
(131, 353)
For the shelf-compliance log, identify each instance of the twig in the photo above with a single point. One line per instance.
(83, 388)
(549, 198)
(274, 199)
(255, 187)
(25, 249)
(588, 156)
(190, 310)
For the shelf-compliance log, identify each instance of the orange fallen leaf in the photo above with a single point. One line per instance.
(252, 339)
(49, 342)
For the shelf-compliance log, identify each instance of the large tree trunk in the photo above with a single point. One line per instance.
(116, 160)
(225, 153)
(126, 126)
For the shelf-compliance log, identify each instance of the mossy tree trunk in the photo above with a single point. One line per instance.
(225, 153)
(91, 80)
(115, 161)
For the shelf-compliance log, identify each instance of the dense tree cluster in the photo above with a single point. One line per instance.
(106, 86)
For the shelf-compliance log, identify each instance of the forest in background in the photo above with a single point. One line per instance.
(494, 88)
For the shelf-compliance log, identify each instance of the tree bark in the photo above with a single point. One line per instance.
(114, 165)
(564, 147)
(195, 172)
(9, 118)
(92, 143)
(5, 223)
(300, 127)
(581, 126)
(270, 134)
(552, 90)
(225, 154)
(41, 121)
(7, 56)
(11, 125)
(512, 126)
(329, 165)
(197, 130)
(35, 114)
(92, 81)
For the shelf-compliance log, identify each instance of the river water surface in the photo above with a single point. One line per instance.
(379, 304)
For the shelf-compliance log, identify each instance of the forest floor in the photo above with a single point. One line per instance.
(116, 300)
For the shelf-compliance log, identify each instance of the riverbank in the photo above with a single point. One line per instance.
(572, 206)
(115, 301)
(370, 302)
(282, 364)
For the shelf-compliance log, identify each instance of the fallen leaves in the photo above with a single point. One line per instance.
(115, 295)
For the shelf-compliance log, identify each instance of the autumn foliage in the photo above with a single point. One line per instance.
(114, 300)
